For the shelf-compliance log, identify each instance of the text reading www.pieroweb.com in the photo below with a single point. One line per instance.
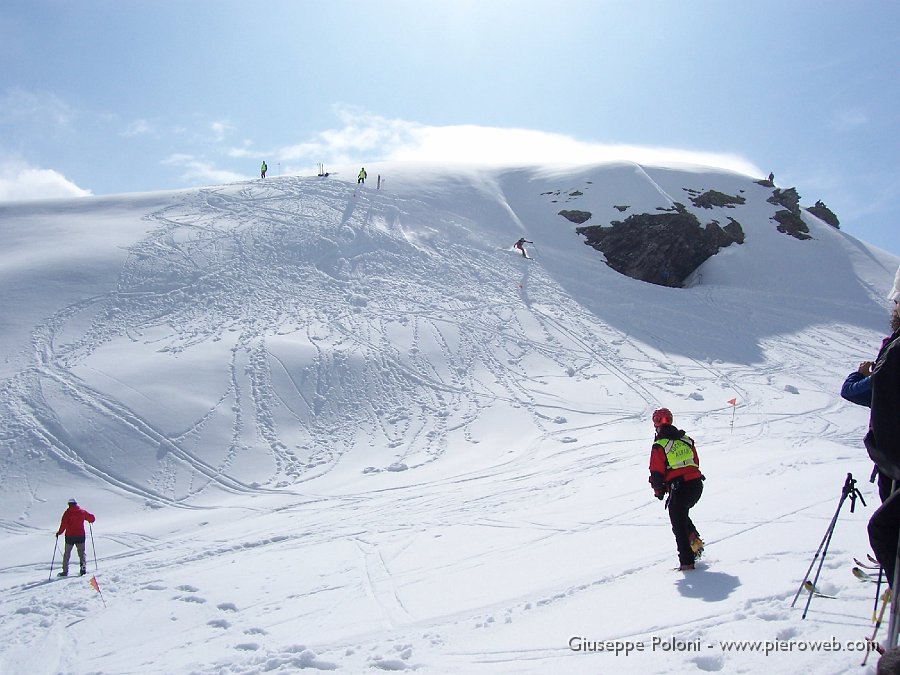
(674, 645)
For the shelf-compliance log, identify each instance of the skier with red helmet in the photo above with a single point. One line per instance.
(675, 470)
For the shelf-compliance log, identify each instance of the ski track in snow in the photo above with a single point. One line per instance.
(334, 347)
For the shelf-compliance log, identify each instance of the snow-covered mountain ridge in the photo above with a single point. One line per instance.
(371, 385)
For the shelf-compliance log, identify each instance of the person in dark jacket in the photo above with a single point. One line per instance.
(857, 388)
(675, 470)
(883, 440)
(72, 524)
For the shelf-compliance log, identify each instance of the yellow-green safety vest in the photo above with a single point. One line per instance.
(679, 453)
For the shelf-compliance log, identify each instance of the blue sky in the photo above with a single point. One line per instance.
(106, 97)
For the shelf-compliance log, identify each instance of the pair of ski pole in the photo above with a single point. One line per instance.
(56, 547)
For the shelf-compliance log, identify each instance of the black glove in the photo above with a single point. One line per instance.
(659, 494)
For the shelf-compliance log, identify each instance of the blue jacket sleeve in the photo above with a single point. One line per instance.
(857, 389)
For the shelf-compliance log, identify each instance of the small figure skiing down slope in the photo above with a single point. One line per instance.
(520, 245)
(361, 178)
(675, 470)
(72, 524)
(263, 169)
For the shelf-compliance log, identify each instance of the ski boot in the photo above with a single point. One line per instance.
(696, 544)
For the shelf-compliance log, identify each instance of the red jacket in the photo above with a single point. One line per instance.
(72, 522)
(661, 474)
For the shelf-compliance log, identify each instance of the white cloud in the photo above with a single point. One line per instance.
(138, 128)
(19, 182)
(221, 129)
(366, 137)
(198, 171)
(849, 119)
(34, 108)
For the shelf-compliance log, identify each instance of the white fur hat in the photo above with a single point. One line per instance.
(895, 291)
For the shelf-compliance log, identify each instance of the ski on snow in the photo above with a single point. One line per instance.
(867, 565)
(862, 575)
(810, 588)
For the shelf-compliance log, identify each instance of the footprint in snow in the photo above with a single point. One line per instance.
(710, 664)
(190, 598)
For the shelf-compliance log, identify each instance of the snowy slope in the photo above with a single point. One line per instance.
(326, 426)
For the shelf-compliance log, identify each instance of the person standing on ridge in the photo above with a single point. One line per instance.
(675, 470)
(72, 524)
(361, 178)
(520, 245)
(263, 169)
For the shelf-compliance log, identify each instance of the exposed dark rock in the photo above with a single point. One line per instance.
(712, 198)
(662, 249)
(766, 183)
(621, 208)
(576, 193)
(576, 217)
(792, 224)
(789, 199)
(734, 231)
(822, 212)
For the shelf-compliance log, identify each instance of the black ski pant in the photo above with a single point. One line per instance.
(885, 485)
(884, 529)
(683, 496)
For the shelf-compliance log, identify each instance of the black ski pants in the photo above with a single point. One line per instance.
(884, 530)
(683, 496)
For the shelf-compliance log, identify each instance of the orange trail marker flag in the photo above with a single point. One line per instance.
(96, 587)
(733, 404)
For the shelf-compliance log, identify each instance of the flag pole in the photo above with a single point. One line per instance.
(96, 587)
(733, 404)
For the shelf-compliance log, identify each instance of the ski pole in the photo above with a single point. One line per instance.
(877, 593)
(91, 526)
(53, 559)
(872, 644)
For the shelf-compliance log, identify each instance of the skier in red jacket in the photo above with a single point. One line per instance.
(675, 470)
(72, 524)
(520, 246)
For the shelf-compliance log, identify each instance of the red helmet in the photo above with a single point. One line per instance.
(662, 416)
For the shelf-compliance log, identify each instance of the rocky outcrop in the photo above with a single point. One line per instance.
(662, 249)
(713, 198)
(792, 224)
(822, 212)
(789, 219)
(789, 199)
(577, 217)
